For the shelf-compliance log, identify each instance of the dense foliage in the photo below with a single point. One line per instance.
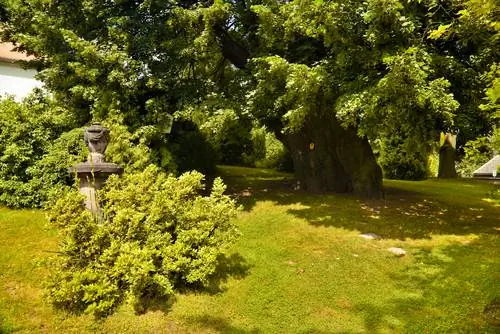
(475, 32)
(227, 132)
(91, 58)
(39, 140)
(401, 158)
(326, 77)
(386, 66)
(268, 151)
(156, 234)
(36, 147)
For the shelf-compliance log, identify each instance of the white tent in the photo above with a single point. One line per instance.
(489, 168)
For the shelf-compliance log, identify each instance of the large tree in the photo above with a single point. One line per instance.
(330, 78)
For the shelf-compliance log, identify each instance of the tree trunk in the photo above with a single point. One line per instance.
(328, 157)
(447, 157)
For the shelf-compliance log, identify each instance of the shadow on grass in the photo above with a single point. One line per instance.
(438, 287)
(232, 266)
(404, 213)
(247, 185)
(154, 303)
(218, 324)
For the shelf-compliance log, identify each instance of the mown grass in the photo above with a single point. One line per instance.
(300, 265)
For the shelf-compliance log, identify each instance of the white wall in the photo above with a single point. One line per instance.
(16, 81)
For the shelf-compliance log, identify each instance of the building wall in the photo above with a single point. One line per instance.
(17, 81)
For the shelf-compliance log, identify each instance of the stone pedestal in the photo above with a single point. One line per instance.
(94, 172)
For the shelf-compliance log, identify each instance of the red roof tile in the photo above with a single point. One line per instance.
(7, 55)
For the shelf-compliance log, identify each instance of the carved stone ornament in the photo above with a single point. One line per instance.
(94, 172)
(96, 137)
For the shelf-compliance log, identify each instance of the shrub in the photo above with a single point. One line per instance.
(495, 138)
(258, 145)
(39, 140)
(477, 152)
(403, 159)
(410, 168)
(189, 148)
(275, 153)
(126, 149)
(229, 135)
(267, 150)
(156, 234)
(33, 160)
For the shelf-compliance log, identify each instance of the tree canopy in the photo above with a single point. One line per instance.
(333, 79)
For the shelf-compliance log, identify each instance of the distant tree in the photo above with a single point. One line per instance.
(473, 31)
(470, 35)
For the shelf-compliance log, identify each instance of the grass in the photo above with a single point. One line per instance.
(301, 266)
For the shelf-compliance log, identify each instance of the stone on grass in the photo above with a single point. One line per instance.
(397, 251)
(246, 193)
(370, 236)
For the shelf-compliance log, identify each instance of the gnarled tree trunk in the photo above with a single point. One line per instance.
(328, 157)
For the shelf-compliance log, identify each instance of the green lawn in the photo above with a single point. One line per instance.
(300, 265)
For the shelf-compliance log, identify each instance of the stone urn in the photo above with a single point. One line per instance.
(93, 173)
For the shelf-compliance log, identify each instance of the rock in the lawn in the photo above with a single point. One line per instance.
(397, 251)
(492, 312)
(370, 236)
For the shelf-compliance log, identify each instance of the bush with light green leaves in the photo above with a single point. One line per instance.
(156, 233)
(38, 142)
